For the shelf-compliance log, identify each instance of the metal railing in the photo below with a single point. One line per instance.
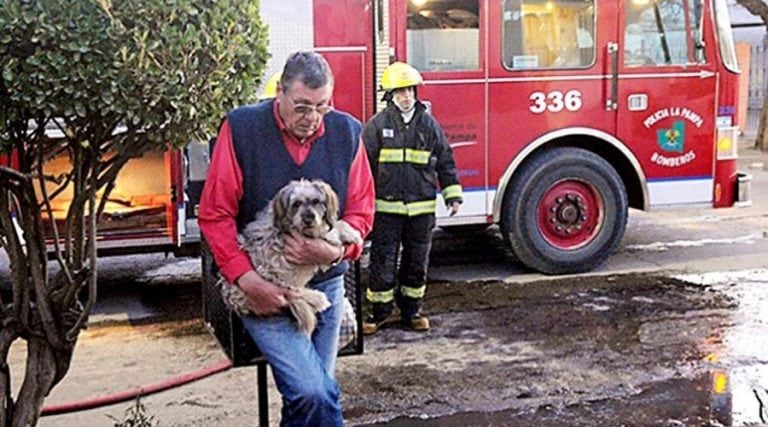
(758, 75)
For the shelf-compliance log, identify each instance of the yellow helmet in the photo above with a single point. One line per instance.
(399, 75)
(270, 88)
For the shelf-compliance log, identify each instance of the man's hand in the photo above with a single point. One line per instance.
(302, 250)
(264, 298)
(453, 208)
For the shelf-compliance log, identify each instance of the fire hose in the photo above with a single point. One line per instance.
(121, 396)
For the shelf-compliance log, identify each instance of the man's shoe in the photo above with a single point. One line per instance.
(371, 324)
(417, 323)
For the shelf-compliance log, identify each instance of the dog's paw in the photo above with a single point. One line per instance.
(316, 299)
(347, 234)
(304, 314)
(304, 307)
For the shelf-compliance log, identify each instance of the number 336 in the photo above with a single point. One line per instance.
(555, 101)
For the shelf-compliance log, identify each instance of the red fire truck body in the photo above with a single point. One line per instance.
(562, 114)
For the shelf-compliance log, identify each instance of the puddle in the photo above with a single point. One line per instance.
(741, 356)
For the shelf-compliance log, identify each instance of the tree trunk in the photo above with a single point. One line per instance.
(7, 336)
(34, 314)
(43, 366)
(761, 141)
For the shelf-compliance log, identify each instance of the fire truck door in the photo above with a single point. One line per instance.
(342, 34)
(663, 91)
(445, 41)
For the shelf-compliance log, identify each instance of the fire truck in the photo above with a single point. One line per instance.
(562, 114)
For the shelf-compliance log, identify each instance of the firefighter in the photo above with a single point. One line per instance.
(409, 155)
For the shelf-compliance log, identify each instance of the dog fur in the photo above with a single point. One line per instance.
(309, 208)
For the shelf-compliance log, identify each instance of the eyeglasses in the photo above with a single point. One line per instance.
(306, 109)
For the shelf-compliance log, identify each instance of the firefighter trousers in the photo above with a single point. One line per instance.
(403, 282)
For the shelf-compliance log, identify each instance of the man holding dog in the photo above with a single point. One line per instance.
(409, 155)
(258, 150)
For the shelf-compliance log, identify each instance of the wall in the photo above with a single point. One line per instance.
(743, 55)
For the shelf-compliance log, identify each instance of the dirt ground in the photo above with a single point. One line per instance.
(588, 350)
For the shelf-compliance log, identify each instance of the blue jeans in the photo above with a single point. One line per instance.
(303, 367)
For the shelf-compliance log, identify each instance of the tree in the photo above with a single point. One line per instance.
(760, 8)
(116, 79)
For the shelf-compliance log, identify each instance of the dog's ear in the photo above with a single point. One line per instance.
(280, 208)
(331, 202)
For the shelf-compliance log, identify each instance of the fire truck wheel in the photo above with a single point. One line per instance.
(565, 211)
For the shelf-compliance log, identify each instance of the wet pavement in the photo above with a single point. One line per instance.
(621, 350)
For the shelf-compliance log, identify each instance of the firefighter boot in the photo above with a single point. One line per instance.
(410, 314)
(379, 317)
(416, 323)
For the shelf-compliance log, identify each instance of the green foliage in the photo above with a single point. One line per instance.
(165, 69)
(135, 416)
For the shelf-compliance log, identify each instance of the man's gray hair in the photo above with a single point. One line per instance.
(310, 68)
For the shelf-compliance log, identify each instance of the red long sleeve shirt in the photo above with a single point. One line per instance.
(223, 190)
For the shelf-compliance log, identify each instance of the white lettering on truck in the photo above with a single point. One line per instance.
(673, 112)
(555, 101)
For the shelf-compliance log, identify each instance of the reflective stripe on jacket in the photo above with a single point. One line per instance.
(408, 162)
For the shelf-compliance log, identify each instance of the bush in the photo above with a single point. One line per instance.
(116, 80)
(166, 69)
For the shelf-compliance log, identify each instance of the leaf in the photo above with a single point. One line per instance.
(107, 97)
(80, 109)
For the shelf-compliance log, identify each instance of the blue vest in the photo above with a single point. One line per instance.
(267, 165)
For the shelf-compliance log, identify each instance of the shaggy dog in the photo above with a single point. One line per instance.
(308, 208)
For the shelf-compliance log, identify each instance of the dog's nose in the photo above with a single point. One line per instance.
(308, 218)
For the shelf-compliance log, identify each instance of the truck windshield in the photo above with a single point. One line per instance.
(725, 36)
(663, 32)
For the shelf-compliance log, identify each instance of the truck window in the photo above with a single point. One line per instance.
(725, 36)
(548, 34)
(663, 32)
(443, 35)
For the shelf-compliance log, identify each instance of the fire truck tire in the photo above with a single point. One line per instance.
(565, 211)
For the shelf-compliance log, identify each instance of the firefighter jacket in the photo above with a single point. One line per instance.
(408, 161)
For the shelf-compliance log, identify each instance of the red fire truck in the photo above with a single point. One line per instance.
(562, 114)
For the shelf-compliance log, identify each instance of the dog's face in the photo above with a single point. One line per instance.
(309, 207)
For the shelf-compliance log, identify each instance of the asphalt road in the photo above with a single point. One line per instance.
(688, 239)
